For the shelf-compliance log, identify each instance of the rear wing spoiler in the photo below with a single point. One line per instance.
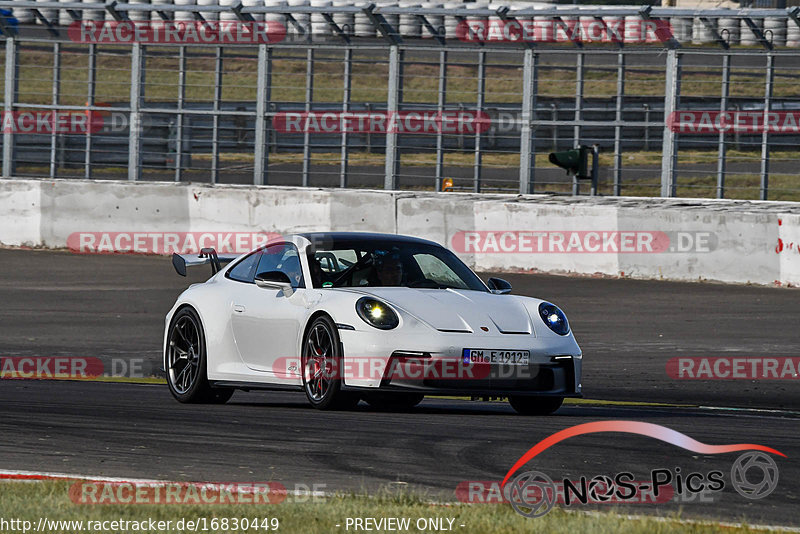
(207, 255)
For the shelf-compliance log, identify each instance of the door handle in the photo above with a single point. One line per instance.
(238, 308)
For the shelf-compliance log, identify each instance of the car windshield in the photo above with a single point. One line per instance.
(388, 263)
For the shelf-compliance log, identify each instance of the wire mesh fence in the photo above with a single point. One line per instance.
(404, 97)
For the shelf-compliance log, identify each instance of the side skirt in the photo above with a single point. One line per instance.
(247, 386)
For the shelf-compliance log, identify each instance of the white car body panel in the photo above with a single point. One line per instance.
(255, 335)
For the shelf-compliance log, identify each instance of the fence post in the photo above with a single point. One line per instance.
(135, 122)
(722, 148)
(669, 158)
(12, 68)
(262, 96)
(440, 101)
(393, 95)
(618, 127)
(218, 70)
(91, 89)
(527, 154)
(346, 87)
(180, 126)
(576, 130)
(770, 75)
(307, 135)
(56, 92)
(478, 163)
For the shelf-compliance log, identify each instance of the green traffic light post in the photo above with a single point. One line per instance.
(576, 163)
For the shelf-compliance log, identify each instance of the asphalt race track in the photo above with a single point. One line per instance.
(62, 304)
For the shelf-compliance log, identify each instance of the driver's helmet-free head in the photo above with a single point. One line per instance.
(388, 267)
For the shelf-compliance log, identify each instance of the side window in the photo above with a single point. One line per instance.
(245, 270)
(283, 258)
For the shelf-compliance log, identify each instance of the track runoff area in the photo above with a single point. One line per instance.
(656, 443)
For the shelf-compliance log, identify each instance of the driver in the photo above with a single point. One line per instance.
(390, 271)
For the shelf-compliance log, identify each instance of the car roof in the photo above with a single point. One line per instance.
(365, 236)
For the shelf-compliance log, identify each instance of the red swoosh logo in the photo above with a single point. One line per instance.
(634, 427)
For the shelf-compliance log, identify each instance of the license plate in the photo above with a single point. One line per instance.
(499, 357)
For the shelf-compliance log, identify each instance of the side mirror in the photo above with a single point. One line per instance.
(498, 286)
(274, 280)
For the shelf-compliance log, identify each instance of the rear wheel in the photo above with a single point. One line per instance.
(321, 364)
(186, 361)
(393, 401)
(535, 405)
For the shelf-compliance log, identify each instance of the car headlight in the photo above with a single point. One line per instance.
(376, 313)
(554, 318)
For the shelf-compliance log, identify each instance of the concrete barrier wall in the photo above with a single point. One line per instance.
(673, 239)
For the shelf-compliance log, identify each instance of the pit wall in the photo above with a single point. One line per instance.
(671, 239)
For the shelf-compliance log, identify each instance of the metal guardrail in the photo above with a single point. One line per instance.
(399, 111)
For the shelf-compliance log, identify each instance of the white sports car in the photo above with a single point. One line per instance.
(350, 316)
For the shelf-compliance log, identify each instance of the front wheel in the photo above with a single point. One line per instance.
(321, 363)
(186, 361)
(535, 405)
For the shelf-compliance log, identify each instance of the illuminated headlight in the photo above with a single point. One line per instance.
(376, 313)
(554, 318)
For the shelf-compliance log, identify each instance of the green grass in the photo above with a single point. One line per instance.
(420, 79)
(467, 159)
(305, 515)
(782, 187)
(745, 186)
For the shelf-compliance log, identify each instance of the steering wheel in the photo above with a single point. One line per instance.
(367, 258)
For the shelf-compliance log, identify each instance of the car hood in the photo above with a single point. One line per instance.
(452, 310)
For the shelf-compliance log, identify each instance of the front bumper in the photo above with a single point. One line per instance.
(434, 365)
(445, 377)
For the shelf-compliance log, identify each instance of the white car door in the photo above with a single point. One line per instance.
(266, 322)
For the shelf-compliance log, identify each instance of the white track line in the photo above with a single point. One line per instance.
(7, 475)
(33, 476)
